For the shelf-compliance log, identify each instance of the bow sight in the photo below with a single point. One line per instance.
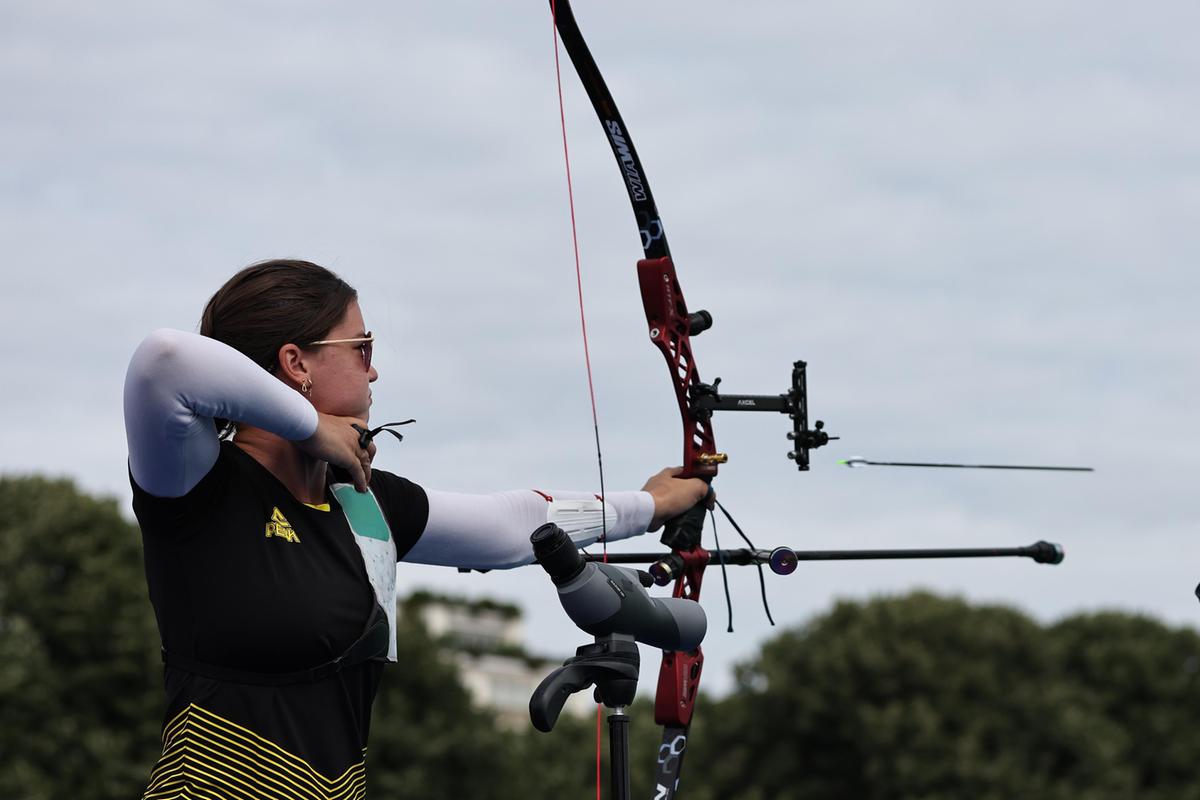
(706, 398)
(671, 329)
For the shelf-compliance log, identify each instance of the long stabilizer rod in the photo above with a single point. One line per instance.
(783, 560)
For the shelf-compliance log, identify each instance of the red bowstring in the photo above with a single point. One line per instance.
(562, 118)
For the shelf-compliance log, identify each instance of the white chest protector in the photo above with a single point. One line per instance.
(378, 548)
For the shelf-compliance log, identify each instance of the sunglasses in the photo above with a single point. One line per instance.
(364, 344)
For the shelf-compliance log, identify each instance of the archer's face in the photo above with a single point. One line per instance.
(341, 379)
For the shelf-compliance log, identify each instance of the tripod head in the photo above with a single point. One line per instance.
(612, 664)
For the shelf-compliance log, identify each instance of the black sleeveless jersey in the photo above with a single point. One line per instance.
(245, 577)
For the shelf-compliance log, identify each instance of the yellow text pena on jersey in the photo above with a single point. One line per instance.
(279, 527)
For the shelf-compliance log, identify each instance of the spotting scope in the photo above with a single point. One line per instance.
(604, 599)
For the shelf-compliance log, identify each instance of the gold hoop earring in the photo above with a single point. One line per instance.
(306, 387)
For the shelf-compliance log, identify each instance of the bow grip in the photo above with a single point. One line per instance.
(683, 532)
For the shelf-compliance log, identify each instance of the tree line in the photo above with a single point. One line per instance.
(917, 696)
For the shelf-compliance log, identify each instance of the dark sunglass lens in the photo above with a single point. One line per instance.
(366, 354)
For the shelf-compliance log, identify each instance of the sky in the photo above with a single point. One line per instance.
(976, 223)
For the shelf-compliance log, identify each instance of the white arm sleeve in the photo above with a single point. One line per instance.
(492, 531)
(176, 384)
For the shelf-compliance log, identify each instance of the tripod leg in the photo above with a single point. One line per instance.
(618, 753)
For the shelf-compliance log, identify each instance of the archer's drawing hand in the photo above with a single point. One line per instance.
(673, 496)
(336, 442)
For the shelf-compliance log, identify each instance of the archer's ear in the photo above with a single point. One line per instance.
(293, 364)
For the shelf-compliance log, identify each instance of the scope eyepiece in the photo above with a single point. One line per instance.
(557, 554)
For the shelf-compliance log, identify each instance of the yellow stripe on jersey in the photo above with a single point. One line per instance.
(213, 757)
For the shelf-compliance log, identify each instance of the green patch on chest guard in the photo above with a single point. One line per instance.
(362, 512)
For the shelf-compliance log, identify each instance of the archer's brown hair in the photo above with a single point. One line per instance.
(269, 304)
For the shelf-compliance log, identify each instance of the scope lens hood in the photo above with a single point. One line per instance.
(557, 554)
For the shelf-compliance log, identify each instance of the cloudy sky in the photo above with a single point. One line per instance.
(978, 225)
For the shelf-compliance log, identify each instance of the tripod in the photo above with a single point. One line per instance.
(611, 664)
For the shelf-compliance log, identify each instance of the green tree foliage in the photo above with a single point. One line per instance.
(79, 671)
(1145, 675)
(928, 697)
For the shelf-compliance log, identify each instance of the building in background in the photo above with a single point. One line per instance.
(485, 639)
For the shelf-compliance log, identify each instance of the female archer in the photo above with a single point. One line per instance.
(271, 544)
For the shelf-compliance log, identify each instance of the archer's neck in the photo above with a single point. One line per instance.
(300, 473)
